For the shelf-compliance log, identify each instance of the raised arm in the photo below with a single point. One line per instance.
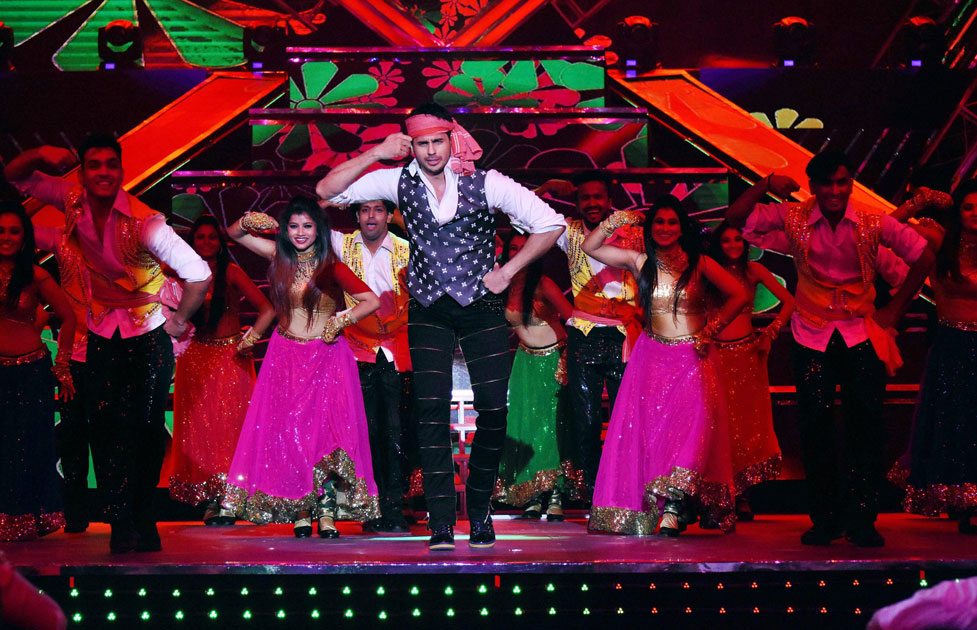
(246, 230)
(619, 257)
(779, 185)
(395, 147)
(47, 159)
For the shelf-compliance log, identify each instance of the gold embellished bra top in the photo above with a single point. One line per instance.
(325, 307)
(664, 319)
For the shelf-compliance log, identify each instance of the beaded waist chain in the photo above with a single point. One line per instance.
(284, 334)
(23, 359)
(541, 351)
(672, 341)
(219, 342)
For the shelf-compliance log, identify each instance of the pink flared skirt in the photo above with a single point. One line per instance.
(667, 433)
(305, 426)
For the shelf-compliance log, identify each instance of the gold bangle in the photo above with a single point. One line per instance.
(257, 223)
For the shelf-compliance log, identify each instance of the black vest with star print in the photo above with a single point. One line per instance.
(448, 259)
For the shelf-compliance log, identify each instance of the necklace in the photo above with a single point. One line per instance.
(672, 262)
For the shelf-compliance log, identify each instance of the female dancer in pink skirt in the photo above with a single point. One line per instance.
(305, 428)
(667, 446)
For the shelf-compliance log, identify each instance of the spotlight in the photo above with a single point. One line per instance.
(793, 40)
(119, 45)
(923, 42)
(6, 47)
(636, 40)
(264, 47)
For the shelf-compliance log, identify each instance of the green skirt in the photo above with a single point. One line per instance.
(535, 458)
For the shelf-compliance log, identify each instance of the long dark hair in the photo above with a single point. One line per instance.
(281, 272)
(948, 258)
(207, 322)
(690, 241)
(24, 260)
(531, 276)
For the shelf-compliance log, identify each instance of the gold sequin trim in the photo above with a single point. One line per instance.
(22, 527)
(195, 493)
(543, 481)
(938, 498)
(263, 508)
(756, 473)
(713, 498)
(541, 351)
(965, 326)
(671, 341)
(415, 487)
(623, 521)
(23, 359)
(219, 342)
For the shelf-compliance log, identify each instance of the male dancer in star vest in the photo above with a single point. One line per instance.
(839, 336)
(449, 210)
(379, 343)
(120, 245)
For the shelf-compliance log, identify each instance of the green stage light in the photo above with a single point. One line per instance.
(382, 615)
(482, 589)
(247, 614)
(179, 615)
(145, 615)
(279, 591)
(518, 611)
(142, 592)
(73, 593)
(550, 587)
(450, 612)
(380, 590)
(314, 614)
(108, 592)
(552, 610)
(586, 611)
(76, 617)
(584, 587)
(210, 592)
(176, 592)
(483, 612)
(416, 612)
(346, 590)
(110, 616)
(280, 614)
(448, 590)
(313, 591)
(516, 590)
(349, 613)
(244, 591)
(212, 614)
(415, 591)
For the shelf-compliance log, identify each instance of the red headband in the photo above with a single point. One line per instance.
(464, 149)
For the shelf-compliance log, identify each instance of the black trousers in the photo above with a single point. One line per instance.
(383, 388)
(129, 383)
(432, 333)
(71, 437)
(592, 360)
(850, 498)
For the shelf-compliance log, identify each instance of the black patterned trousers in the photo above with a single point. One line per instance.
(592, 360)
(129, 383)
(847, 497)
(433, 332)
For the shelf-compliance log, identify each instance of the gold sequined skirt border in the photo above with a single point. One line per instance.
(623, 521)
(211, 489)
(284, 334)
(23, 359)
(937, 499)
(543, 481)
(357, 503)
(25, 527)
(713, 499)
(757, 473)
(736, 344)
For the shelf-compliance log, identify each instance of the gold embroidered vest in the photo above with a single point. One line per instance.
(368, 333)
(819, 300)
(137, 290)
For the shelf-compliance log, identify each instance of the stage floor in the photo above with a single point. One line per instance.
(770, 543)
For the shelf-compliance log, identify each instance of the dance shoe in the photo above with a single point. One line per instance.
(820, 535)
(442, 538)
(554, 510)
(482, 534)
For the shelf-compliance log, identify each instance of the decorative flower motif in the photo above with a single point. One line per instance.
(343, 142)
(317, 77)
(387, 75)
(785, 119)
(441, 72)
